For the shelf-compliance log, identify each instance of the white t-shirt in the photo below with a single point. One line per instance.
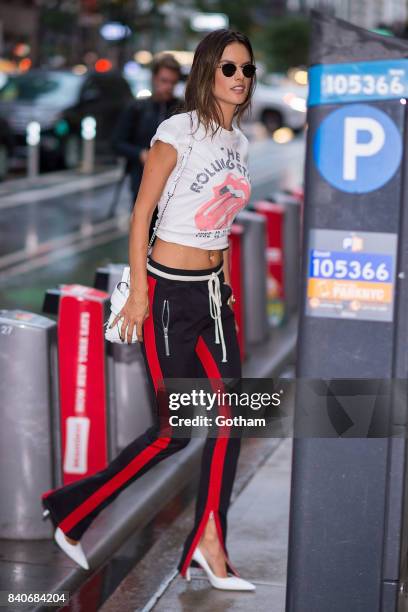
(213, 187)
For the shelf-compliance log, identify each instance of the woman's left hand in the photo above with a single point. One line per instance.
(231, 301)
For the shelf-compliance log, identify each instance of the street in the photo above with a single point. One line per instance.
(58, 231)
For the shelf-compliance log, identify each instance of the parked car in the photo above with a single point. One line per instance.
(140, 82)
(6, 148)
(279, 105)
(58, 100)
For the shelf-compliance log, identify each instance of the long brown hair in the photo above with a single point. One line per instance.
(199, 87)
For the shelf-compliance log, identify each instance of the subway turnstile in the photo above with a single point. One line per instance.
(255, 276)
(84, 416)
(29, 419)
(130, 397)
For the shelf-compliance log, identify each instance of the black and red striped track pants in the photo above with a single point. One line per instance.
(190, 350)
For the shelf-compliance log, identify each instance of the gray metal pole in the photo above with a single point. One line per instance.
(88, 133)
(33, 136)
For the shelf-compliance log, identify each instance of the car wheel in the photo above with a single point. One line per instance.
(272, 120)
(71, 152)
(4, 162)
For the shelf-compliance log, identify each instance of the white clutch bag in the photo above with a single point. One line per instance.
(118, 299)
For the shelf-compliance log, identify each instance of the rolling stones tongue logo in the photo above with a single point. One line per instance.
(229, 197)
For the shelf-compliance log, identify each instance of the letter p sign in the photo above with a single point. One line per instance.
(357, 148)
(353, 149)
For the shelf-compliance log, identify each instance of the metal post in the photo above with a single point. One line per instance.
(33, 135)
(88, 133)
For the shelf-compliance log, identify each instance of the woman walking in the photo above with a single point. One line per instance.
(180, 305)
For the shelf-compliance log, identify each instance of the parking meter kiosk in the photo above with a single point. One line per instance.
(348, 516)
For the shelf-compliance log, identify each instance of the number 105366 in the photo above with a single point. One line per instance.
(366, 84)
(351, 269)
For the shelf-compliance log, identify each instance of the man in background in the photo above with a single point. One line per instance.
(139, 121)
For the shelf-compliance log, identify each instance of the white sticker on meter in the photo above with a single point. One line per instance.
(76, 447)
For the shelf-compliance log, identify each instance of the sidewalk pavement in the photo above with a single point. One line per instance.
(257, 544)
(111, 172)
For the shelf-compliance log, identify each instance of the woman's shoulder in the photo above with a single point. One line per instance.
(179, 121)
(173, 130)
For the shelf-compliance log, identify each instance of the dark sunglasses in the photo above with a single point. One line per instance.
(229, 69)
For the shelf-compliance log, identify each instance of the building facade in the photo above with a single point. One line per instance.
(364, 13)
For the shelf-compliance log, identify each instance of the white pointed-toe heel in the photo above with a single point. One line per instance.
(232, 583)
(74, 551)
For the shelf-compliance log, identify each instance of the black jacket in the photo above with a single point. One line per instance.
(135, 128)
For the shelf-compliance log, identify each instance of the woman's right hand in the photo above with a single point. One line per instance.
(133, 314)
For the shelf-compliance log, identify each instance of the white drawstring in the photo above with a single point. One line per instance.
(214, 293)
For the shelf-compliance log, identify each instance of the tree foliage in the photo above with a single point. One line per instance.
(283, 42)
(240, 14)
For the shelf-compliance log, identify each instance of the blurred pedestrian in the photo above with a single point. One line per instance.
(139, 120)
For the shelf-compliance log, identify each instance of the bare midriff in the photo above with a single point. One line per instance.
(185, 257)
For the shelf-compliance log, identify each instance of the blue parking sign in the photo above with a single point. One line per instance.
(357, 148)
